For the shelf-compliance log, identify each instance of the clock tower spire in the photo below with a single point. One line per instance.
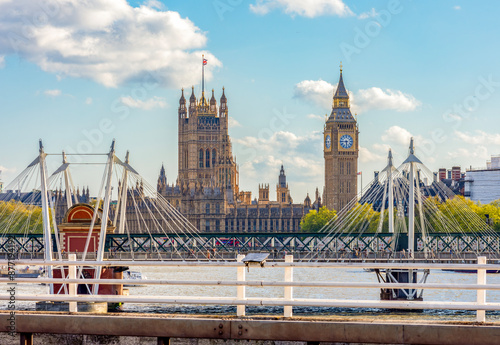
(340, 150)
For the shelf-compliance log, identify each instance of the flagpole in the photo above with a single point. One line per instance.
(203, 74)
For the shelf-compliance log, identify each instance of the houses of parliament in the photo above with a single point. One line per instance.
(207, 190)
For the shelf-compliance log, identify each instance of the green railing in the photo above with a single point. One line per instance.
(233, 242)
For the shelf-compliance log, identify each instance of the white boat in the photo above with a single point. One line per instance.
(133, 275)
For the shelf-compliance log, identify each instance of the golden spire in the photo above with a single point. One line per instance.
(340, 66)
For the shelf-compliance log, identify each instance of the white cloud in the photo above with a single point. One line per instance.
(53, 93)
(155, 4)
(480, 138)
(5, 169)
(6, 174)
(148, 104)
(316, 117)
(370, 14)
(2, 61)
(88, 101)
(478, 152)
(397, 135)
(305, 8)
(376, 98)
(382, 147)
(109, 42)
(233, 122)
(262, 157)
(457, 8)
(365, 155)
(320, 93)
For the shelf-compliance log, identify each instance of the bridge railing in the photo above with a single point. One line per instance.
(288, 283)
(277, 255)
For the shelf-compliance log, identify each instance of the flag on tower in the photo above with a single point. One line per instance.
(359, 173)
(204, 61)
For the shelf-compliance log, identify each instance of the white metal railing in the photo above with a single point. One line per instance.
(288, 301)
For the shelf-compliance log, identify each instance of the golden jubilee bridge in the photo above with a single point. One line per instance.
(404, 213)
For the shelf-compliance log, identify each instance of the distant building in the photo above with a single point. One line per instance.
(442, 174)
(207, 189)
(484, 184)
(453, 179)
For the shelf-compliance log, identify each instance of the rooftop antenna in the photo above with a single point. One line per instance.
(204, 62)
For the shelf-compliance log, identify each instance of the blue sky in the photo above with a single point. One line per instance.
(78, 76)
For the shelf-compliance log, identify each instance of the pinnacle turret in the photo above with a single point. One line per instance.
(182, 100)
(212, 100)
(223, 98)
(192, 99)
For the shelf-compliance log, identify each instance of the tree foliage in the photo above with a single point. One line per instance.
(314, 220)
(452, 215)
(488, 213)
(18, 218)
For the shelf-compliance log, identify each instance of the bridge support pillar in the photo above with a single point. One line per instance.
(73, 308)
(481, 294)
(26, 338)
(163, 341)
(288, 289)
(240, 290)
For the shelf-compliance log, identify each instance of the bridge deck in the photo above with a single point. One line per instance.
(255, 328)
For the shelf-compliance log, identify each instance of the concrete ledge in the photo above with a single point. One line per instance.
(255, 329)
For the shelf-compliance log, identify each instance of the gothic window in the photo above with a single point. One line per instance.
(348, 187)
(217, 225)
(348, 168)
(341, 167)
(207, 225)
(207, 208)
(283, 197)
(214, 157)
(217, 208)
(201, 159)
(207, 160)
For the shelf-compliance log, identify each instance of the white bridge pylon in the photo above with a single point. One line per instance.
(137, 202)
(406, 201)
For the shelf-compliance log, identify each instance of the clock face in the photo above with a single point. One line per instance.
(346, 141)
(328, 141)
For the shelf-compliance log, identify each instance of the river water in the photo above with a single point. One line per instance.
(299, 274)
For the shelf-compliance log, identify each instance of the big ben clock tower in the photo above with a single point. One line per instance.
(340, 147)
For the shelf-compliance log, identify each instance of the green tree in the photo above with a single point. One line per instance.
(314, 220)
(18, 218)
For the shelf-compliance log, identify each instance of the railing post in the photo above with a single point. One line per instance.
(163, 341)
(240, 290)
(481, 294)
(288, 289)
(72, 286)
(26, 338)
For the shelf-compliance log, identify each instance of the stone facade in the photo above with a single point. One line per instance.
(341, 150)
(207, 190)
